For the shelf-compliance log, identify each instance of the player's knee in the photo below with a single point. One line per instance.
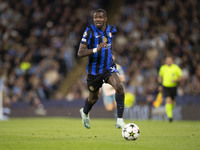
(119, 88)
(169, 100)
(109, 109)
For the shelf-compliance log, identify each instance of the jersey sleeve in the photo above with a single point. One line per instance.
(114, 31)
(179, 71)
(86, 36)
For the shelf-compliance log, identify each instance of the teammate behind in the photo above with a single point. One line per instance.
(108, 92)
(96, 43)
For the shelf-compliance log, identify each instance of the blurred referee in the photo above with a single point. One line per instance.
(169, 77)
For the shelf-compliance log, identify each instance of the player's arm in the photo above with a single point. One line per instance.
(178, 79)
(160, 88)
(159, 79)
(114, 34)
(121, 73)
(84, 51)
(160, 75)
(180, 76)
(122, 78)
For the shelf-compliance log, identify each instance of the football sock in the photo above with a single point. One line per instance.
(120, 105)
(169, 110)
(87, 107)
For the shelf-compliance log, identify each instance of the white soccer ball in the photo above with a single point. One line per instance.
(130, 131)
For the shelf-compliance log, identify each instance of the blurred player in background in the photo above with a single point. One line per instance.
(108, 92)
(169, 77)
(96, 43)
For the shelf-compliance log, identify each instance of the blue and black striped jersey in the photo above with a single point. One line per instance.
(102, 60)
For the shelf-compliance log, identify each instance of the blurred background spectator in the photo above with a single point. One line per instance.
(147, 32)
(38, 44)
(39, 41)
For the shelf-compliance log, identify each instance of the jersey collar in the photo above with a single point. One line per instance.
(101, 30)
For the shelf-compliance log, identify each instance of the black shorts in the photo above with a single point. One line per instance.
(95, 82)
(169, 92)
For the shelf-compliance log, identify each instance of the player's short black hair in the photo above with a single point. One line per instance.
(100, 10)
(170, 55)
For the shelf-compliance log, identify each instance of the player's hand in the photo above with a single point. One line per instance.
(104, 44)
(174, 81)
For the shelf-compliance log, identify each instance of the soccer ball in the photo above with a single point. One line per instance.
(130, 132)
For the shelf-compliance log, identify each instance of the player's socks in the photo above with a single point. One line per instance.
(87, 107)
(169, 110)
(120, 105)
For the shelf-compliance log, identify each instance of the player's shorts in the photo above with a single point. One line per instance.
(170, 92)
(108, 99)
(95, 82)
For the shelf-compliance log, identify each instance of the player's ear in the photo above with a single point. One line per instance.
(106, 19)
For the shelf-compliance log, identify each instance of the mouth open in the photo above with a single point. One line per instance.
(98, 23)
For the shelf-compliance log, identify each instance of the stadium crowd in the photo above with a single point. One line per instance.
(148, 31)
(38, 44)
(39, 41)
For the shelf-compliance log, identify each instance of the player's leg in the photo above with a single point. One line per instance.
(92, 99)
(117, 85)
(94, 82)
(171, 103)
(109, 107)
(168, 102)
(173, 96)
(108, 102)
(169, 107)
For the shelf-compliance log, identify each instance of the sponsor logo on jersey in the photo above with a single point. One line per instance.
(112, 69)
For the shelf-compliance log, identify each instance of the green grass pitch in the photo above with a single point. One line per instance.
(70, 134)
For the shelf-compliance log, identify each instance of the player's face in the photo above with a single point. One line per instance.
(169, 61)
(99, 19)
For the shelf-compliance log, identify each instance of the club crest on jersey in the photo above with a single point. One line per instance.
(105, 39)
